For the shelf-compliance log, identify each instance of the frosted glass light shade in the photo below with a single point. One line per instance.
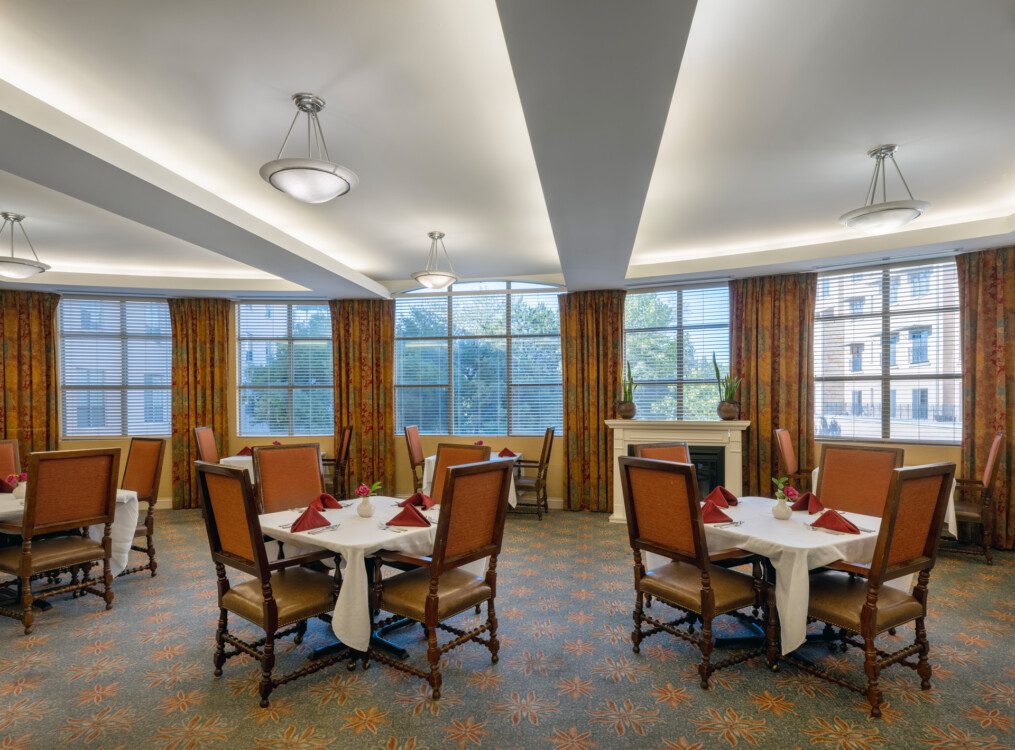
(881, 218)
(309, 180)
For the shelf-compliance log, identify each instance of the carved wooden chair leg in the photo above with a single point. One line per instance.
(705, 644)
(433, 656)
(27, 615)
(301, 630)
(267, 665)
(639, 616)
(648, 601)
(150, 539)
(923, 665)
(870, 667)
(220, 643)
(771, 631)
(107, 581)
(987, 535)
(491, 621)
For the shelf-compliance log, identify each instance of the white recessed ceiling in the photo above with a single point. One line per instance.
(553, 141)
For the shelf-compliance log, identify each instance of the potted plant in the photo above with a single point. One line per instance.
(729, 406)
(626, 408)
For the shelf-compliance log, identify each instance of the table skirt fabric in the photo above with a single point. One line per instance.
(240, 462)
(12, 508)
(355, 539)
(431, 461)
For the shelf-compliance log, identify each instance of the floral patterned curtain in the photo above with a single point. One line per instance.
(28, 376)
(987, 294)
(772, 335)
(363, 333)
(200, 394)
(592, 344)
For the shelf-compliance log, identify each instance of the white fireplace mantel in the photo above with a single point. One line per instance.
(628, 432)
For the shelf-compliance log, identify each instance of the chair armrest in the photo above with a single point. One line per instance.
(976, 483)
(848, 567)
(527, 462)
(727, 554)
(289, 562)
(385, 556)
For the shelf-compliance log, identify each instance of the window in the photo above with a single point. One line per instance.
(114, 367)
(856, 357)
(669, 339)
(285, 369)
(483, 359)
(912, 395)
(919, 353)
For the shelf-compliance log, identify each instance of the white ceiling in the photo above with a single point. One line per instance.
(610, 176)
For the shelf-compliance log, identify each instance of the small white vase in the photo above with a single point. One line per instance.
(781, 510)
(365, 507)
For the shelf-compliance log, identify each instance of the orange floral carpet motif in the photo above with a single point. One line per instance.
(140, 676)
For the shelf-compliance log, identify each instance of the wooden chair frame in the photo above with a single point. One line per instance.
(639, 447)
(29, 529)
(339, 463)
(146, 528)
(259, 449)
(877, 573)
(415, 461)
(262, 650)
(899, 454)
(482, 450)
(982, 493)
(438, 563)
(764, 596)
(800, 478)
(197, 444)
(538, 487)
(17, 455)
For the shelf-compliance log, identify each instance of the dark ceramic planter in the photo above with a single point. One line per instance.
(627, 409)
(728, 410)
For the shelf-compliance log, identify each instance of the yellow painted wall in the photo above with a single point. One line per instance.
(917, 454)
(166, 483)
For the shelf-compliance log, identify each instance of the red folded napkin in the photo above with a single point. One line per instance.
(310, 519)
(275, 442)
(712, 513)
(246, 451)
(507, 453)
(717, 498)
(729, 496)
(6, 486)
(809, 502)
(835, 522)
(419, 499)
(409, 516)
(324, 501)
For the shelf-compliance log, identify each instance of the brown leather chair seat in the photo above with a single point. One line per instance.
(972, 512)
(680, 583)
(299, 593)
(525, 483)
(50, 554)
(405, 594)
(837, 599)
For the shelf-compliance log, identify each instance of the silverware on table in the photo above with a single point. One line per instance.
(323, 529)
(388, 527)
(726, 525)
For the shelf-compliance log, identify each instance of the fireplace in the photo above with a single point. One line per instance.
(709, 464)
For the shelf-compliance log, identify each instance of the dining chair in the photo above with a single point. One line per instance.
(342, 442)
(10, 459)
(534, 486)
(278, 597)
(854, 598)
(454, 454)
(678, 451)
(142, 474)
(470, 528)
(664, 518)
(207, 448)
(416, 457)
(799, 478)
(975, 502)
(287, 476)
(856, 477)
(67, 490)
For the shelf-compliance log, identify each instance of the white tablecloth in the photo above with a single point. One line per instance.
(793, 550)
(431, 461)
(355, 539)
(240, 462)
(12, 509)
(950, 524)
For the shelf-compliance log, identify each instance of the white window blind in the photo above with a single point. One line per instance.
(889, 366)
(669, 339)
(115, 367)
(480, 363)
(285, 369)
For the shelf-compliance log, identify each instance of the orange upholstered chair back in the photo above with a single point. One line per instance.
(784, 444)
(287, 476)
(990, 468)
(452, 454)
(144, 467)
(676, 451)
(414, 444)
(471, 523)
(70, 489)
(207, 450)
(663, 514)
(856, 478)
(10, 459)
(230, 517)
(914, 514)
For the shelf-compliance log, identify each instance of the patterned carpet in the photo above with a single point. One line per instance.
(140, 676)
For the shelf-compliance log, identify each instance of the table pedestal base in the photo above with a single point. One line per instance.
(376, 641)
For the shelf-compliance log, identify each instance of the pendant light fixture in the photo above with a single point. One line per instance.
(433, 277)
(886, 216)
(315, 179)
(11, 266)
